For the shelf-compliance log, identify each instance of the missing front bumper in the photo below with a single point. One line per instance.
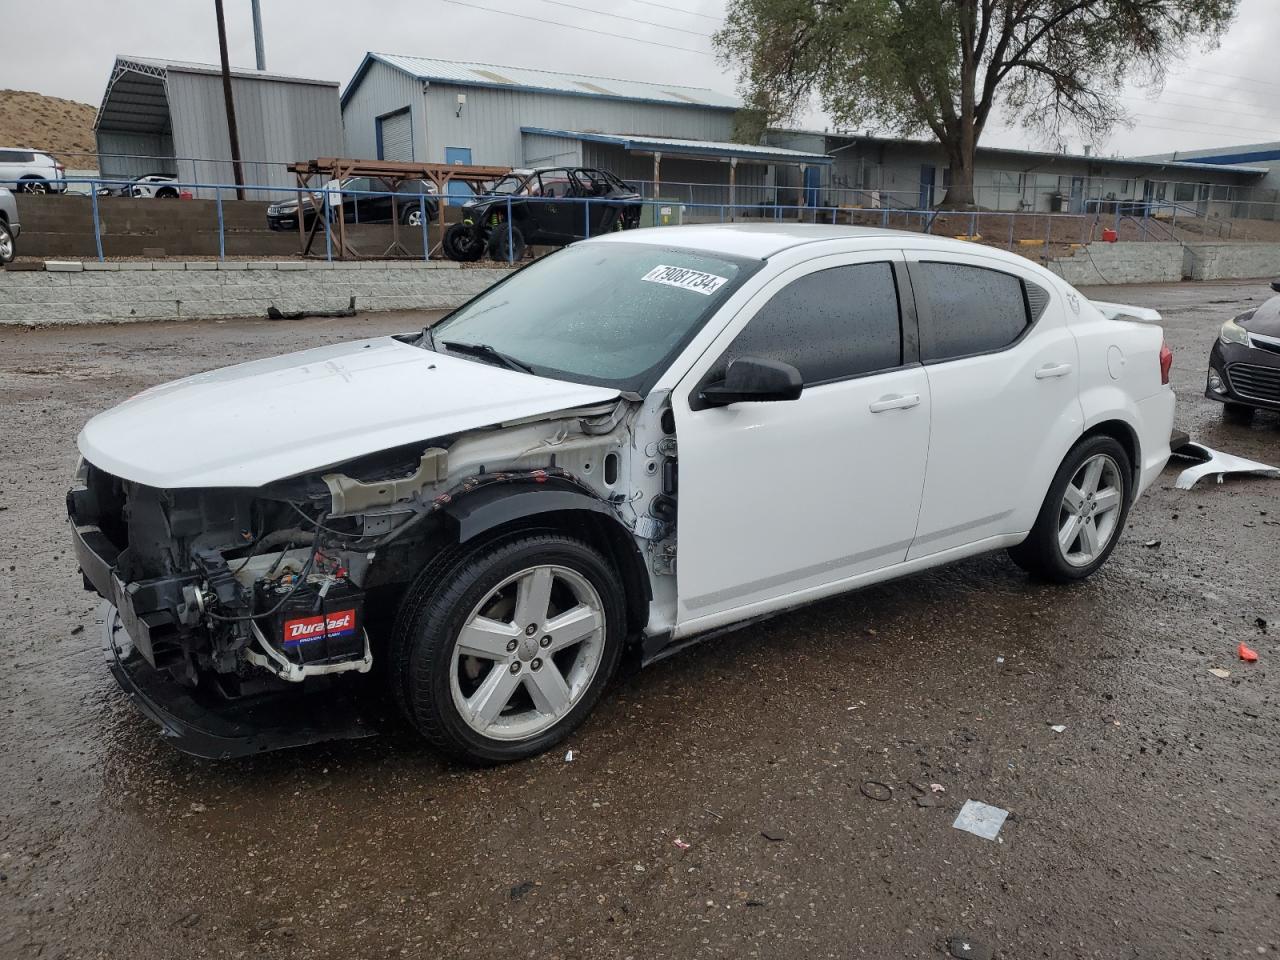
(204, 724)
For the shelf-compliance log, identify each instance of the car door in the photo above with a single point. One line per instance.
(781, 500)
(1003, 371)
(557, 212)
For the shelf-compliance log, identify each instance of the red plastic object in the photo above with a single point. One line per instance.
(186, 195)
(1246, 654)
(1166, 362)
(1109, 235)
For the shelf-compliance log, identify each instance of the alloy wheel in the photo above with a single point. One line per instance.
(527, 653)
(1090, 510)
(413, 218)
(34, 186)
(6, 246)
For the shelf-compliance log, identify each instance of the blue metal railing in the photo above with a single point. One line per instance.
(1025, 226)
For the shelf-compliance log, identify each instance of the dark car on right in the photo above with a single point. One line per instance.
(1244, 364)
(550, 206)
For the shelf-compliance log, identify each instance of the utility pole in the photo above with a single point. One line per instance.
(259, 50)
(231, 107)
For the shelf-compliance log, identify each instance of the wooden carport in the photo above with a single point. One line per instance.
(392, 174)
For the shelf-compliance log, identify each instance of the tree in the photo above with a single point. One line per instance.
(944, 65)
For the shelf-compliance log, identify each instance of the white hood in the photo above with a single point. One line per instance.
(247, 425)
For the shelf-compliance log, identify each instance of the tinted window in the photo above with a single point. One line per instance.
(830, 324)
(967, 310)
(15, 156)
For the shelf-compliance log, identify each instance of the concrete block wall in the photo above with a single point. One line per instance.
(1135, 262)
(1232, 261)
(114, 292)
(1124, 262)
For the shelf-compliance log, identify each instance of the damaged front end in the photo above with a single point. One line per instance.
(240, 619)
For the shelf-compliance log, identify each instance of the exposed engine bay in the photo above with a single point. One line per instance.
(253, 590)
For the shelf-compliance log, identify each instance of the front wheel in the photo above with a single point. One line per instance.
(463, 242)
(500, 657)
(1082, 515)
(7, 250)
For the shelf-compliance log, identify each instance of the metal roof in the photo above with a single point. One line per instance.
(497, 76)
(1049, 155)
(689, 148)
(136, 100)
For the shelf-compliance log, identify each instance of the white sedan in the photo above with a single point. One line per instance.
(632, 442)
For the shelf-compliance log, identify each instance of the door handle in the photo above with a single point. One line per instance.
(1051, 370)
(895, 401)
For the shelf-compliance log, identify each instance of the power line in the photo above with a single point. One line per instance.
(571, 26)
(1192, 106)
(1205, 123)
(688, 13)
(1234, 76)
(618, 16)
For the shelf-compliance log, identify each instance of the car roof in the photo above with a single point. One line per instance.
(764, 240)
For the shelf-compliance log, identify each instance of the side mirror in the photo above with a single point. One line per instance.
(756, 380)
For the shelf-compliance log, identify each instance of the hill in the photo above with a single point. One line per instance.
(61, 127)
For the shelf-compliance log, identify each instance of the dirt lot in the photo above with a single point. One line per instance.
(1147, 829)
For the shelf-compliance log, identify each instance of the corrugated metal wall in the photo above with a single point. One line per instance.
(491, 120)
(691, 181)
(381, 91)
(279, 123)
(128, 155)
(541, 151)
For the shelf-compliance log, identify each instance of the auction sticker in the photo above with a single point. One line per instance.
(684, 278)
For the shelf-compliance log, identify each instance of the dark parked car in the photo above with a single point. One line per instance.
(539, 214)
(1244, 364)
(415, 198)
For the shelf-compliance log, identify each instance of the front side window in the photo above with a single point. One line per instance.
(967, 310)
(613, 314)
(829, 325)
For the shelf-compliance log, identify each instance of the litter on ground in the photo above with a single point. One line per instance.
(1214, 462)
(1058, 728)
(1219, 672)
(568, 757)
(1247, 654)
(980, 819)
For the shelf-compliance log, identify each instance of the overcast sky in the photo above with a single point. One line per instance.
(1227, 96)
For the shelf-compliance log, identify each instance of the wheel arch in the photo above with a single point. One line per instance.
(1124, 434)
(502, 510)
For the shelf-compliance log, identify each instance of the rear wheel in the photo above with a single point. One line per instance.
(166, 193)
(7, 250)
(1082, 515)
(412, 217)
(506, 244)
(502, 655)
(33, 185)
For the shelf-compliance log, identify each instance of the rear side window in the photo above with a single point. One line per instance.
(832, 324)
(16, 156)
(967, 309)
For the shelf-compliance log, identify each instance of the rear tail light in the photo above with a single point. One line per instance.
(1166, 362)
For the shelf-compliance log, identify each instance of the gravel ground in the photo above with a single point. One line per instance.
(1146, 829)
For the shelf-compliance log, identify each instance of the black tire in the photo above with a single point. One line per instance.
(506, 245)
(463, 242)
(7, 248)
(408, 214)
(166, 193)
(32, 185)
(434, 611)
(1237, 413)
(1040, 554)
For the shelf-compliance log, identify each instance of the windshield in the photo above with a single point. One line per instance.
(612, 314)
(508, 184)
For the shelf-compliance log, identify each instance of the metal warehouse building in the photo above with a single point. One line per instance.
(444, 111)
(912, 174)
(165, 116)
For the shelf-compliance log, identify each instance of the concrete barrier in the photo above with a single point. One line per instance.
(1135, 262)
(115, 292)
